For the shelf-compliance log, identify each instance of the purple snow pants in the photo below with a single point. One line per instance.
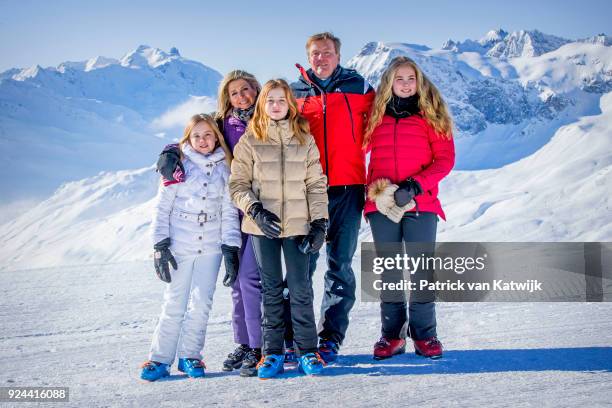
(246, 296)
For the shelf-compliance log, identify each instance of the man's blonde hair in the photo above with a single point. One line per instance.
(322, 37)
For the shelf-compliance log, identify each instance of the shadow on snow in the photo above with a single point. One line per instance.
(478, 361)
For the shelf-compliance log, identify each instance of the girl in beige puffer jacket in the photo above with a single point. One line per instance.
(277, 181)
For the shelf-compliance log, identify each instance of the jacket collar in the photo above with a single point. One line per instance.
(203, 160)
(339, 75)
(278, 129)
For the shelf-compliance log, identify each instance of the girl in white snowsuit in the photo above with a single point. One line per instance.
(194, 222)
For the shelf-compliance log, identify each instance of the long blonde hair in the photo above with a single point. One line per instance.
(258, 126)
(203, 117)
(431, 103)
(223, 99)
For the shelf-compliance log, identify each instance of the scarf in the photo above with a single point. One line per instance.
(243, 114)
(403, 107)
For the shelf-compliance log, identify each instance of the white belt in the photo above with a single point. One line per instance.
(199, 218)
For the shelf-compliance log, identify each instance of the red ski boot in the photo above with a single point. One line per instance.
(431, 348)
(387, 348)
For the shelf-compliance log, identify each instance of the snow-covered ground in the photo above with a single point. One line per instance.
(89, 328)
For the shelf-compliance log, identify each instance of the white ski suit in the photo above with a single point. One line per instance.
(198, 216)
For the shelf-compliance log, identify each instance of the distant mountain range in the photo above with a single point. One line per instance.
(506, 105)
(72, 121)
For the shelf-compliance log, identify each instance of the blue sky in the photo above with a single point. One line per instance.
(267, 38)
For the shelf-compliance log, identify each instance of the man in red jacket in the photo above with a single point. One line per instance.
(336, 102)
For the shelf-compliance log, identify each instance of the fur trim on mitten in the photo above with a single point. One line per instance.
(381, 192)
(377, 187)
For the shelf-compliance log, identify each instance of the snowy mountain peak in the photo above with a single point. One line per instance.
(450, 45)
(377, 48)
(71, 65)
(371, 48)
(525, 43)
(148, 57)
(26, 73)
(9, 74)
(493, 36)
(500, 44)
(600, 39)
(99, 62)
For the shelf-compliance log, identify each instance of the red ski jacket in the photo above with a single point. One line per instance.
(337, 117)
(410, 147)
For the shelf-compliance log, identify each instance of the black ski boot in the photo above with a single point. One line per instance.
(249, 364)
(234, 359)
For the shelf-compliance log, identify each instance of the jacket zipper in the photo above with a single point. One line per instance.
(325, 134)
(282, 209)
(312, 84)
(348, 105)
(395, 161)
(395, 148)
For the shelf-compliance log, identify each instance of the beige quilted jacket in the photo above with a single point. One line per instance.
(283, 175)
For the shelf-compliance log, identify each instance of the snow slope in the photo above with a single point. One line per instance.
(101, 219)
(560, 193)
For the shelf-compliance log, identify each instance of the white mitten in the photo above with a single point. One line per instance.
(381, 192)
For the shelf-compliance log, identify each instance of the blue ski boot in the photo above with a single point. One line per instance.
(153, 370)
(270, 366)
(193, 367)
(310, 364)
(328, 350)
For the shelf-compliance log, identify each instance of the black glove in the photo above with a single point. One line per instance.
(161, 257)
(312, 243)
(168, 160)
(230, 256)
(406, 191)
(266, 221)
